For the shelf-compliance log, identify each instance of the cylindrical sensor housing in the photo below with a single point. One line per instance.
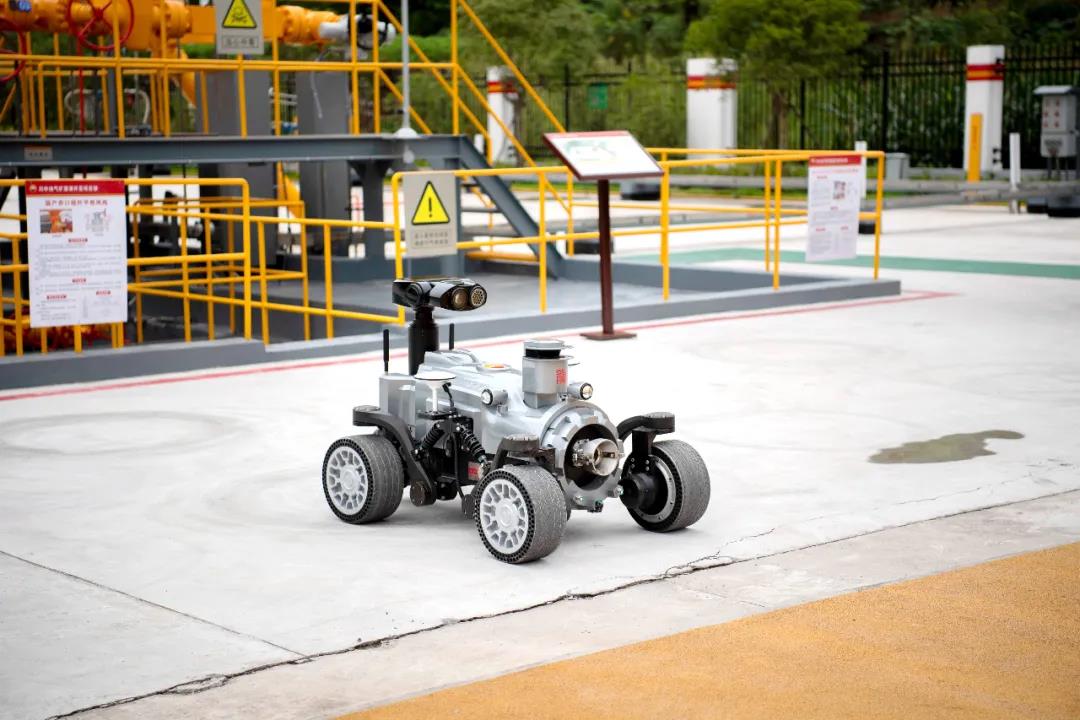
(544, 372)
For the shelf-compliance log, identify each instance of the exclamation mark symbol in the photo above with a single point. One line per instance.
(430, 207)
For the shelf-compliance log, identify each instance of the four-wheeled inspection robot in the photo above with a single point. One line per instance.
(521, 449)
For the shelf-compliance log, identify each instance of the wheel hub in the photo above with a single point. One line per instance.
(346, 479)
(504, 515)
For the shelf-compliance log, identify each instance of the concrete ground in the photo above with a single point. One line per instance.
(173, 531)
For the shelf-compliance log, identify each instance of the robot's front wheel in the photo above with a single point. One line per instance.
(520, 513)
(363, 478)
(682, 483)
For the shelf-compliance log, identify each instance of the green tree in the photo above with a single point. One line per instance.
(630, 29)
(541, 36)
(779, 42)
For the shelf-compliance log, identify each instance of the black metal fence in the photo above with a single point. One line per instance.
(912, 103)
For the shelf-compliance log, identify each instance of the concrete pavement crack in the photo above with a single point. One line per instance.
(707, 562)
(151, 603)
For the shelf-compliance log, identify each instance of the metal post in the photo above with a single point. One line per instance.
(405, 101)
(1014, 170)
(884, 143)
(606, 311)
(566, 94)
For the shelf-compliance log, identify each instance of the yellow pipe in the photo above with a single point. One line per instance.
(376, 109)
(184, 278)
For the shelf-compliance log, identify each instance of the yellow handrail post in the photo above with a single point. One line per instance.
(569, 213)
(166, 104)
(454, 61)
(264, 298)
(42, 125)
(395, 183)
(121, 130)
(765, 213)
(184, 275)
(777, 201)
(376, 109)
(877, 213)
(975, 149)
(17, 286)
(305, 289)
(230, 247)
(59, 87)
(208, 250)
(328, 282)
(241, 92)
(245, 230)
(542, 247)
(665, 222)
(205, 108)
(353, 80)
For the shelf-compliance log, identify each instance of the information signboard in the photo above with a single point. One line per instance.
(603, 155)
(833, 194)
(77, 237)
(239, 27)
(431, 214)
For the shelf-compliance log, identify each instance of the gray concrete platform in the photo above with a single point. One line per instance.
(170, 530)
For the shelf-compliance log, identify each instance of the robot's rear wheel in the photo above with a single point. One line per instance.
(683, 484)
(520, 513)
(363, 478)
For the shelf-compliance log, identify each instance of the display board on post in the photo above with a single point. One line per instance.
(834, 190)
(604, 156)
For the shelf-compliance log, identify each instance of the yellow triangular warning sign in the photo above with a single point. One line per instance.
(238, 17)
(430, 210)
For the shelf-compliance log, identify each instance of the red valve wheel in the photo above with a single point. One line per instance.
(12, 42)
(99, 21)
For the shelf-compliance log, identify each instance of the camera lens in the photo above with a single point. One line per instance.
(459, 299)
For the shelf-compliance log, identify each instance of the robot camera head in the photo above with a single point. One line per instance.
(446, 293)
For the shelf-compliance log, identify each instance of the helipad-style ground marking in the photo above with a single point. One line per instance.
(430, 210)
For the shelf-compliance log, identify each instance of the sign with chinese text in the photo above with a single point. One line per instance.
(834, 189)
(77, 238)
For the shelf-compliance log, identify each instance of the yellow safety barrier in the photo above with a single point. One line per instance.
(773, 214)
(195, 278)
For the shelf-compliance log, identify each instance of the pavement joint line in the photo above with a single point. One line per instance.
(372, 356)
(144, 601)
(217, 680)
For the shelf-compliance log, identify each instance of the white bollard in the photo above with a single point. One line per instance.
(711, 103)
(985, 94)
(501, 97)
(1014, 169)
(860, 147)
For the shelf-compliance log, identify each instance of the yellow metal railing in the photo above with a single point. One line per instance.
(195, 278)
(773, 214)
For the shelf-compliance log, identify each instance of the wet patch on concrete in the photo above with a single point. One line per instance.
(948, 448)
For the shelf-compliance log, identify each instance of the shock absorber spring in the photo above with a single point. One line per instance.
(470, 445)
(433, 436)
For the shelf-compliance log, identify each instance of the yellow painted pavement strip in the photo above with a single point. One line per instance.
(998, 640)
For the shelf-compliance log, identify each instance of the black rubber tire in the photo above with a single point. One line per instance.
(545, 505)
(386, 478)
(690, 478)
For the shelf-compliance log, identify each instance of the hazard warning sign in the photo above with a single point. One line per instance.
(431, 211)
(240, 28)
(238, 16)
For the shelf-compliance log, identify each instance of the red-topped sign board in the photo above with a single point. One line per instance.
(603, 155)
